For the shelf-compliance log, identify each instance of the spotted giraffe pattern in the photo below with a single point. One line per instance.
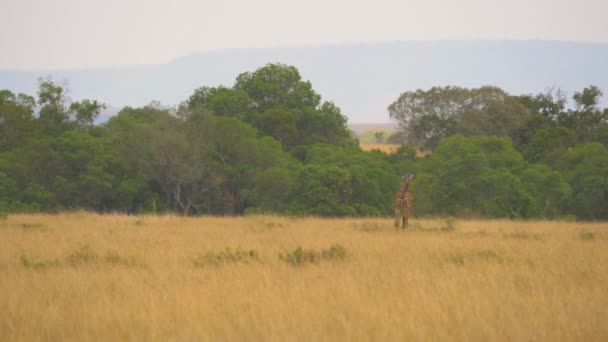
(403, 202)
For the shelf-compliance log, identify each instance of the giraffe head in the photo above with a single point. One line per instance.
(408, 178)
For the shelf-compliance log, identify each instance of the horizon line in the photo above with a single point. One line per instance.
(318, 45)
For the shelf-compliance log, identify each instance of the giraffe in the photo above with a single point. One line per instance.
(403, 202)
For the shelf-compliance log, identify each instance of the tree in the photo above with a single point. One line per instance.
(588, 120)
(277, 84)
(379, 137)
(548, 188)
(585, 167)
(181, 170)
(551, 104)
(85, 112)
(426, 117)
(325, 190)
(17, 122)
(588, 99)
(277, 102)
(221, 101)
(549, 144)
(52, 101)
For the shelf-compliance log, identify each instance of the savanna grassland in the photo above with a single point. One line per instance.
(79, 277)
(386, 148)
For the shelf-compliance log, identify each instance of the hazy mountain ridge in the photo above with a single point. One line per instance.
(362, 79)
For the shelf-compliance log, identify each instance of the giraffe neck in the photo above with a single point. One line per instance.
(404, 188)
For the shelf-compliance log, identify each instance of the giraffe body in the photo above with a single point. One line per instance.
(403, 203)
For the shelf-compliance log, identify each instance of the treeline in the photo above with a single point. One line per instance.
(269, 144)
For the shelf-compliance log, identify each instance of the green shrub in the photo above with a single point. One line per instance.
(32, 226)
(335, 252)
(37, 264)
(456, 259)
(449, 225)
(227, 256)
(300, 256)
(585, 235)
(81, 256)
(114, 259)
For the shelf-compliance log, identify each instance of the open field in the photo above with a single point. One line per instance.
(391, 148)
(79, 277)
(386, 148)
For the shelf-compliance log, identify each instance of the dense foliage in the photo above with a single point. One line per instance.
(270, 144)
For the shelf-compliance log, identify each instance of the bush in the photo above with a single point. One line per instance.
(490, 255)
(456, 259)
(114, 259)
(38, 265)
(449, 225)
(227, 256)
(32, 226)
(300, 257)
(81, 256)
(335, 252)
(585, 235)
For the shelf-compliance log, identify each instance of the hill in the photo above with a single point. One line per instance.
(362, 79)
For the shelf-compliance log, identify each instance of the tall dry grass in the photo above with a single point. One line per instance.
(79, 277)
(386, 148)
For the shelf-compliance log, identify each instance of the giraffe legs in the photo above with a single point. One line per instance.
(397, 215)
(401, 215)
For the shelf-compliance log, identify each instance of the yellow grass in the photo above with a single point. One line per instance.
(386, 148)
(391, 148)
(136, 280)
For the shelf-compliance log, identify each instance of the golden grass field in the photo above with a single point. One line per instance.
(82, 277)
(386, 148)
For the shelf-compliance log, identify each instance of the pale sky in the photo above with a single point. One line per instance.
(106, 33)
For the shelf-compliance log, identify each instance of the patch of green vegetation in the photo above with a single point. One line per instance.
(300, 256)
(227, 256)
(335, 252)
(139, 222)
(449, 225)
(586, 235)
(38, 264)
(490, 255)
(28, 227)
(83, 255)
(523, 236)
(115, 259)
(456, 259)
